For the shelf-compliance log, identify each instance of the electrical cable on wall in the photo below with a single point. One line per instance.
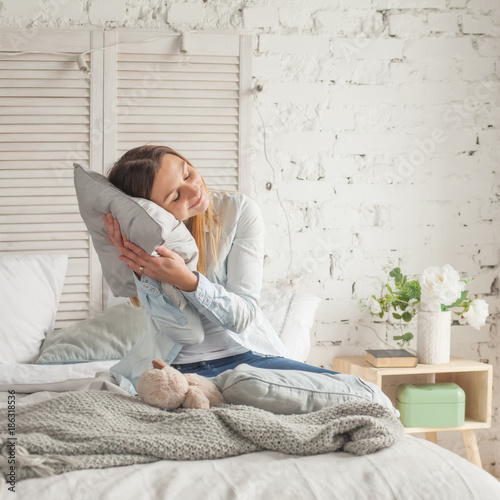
(257, 89)
(80, 61)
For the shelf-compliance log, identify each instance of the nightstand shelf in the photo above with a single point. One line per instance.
(475, 378)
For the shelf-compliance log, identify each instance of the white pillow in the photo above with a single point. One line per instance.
(144, 222)
(31, 286)
(292, 316)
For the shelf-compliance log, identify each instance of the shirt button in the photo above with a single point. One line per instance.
(146, 281)
(167, 361)
(153, 290)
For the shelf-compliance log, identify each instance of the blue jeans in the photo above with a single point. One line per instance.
(213, 367)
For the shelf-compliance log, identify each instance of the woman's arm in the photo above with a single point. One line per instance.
(235, 305)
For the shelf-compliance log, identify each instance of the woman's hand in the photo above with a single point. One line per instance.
(169, 267)
(114, 231)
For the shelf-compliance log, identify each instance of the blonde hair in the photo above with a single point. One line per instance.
(134, 174)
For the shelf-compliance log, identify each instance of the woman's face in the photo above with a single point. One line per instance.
(178, 188)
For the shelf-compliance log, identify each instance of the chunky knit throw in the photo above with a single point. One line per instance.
(98, 429)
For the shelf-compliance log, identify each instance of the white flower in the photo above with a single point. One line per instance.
(476, 315)
(440, 286)
(374, 306)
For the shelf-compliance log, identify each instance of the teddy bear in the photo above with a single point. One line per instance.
(165, 387)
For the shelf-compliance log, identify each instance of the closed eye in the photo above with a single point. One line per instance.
(185, 178)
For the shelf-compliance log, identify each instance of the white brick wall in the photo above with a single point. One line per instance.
(383, 125)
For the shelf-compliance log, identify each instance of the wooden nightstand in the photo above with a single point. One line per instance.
(475, 378)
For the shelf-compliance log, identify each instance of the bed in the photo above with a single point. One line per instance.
(42, 366)
(410, 468)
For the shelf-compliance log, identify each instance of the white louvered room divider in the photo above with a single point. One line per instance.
(139, 92)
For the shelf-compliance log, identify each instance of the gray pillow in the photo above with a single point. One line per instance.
(293, 391)
(145, 223)
(108, 335)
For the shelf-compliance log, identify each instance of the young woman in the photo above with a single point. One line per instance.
(229, 233)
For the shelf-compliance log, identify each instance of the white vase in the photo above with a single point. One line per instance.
(433, 337)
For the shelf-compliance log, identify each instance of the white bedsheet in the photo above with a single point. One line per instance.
(41, 374)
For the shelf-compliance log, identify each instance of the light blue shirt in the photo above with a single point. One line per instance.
(228, 295)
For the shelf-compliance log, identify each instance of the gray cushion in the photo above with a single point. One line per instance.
(108, 335)
(293, 391)
(145, 223)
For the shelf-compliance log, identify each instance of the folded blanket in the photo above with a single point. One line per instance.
(98, 429)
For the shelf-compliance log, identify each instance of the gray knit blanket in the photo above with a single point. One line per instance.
(98, 429)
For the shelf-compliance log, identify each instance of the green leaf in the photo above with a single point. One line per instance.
(397, 337)
(395, 272)
(389, 288)
(407, 336)
(396, 316)
(407, 316)
(457, 302)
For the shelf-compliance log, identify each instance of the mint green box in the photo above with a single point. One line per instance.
(431, 405)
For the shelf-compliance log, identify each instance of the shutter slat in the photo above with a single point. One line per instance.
(41, 228)
(124, 112)
(201, 94)
(174, 68)
(191, 84)
(42, 83)
(44, 236)
(69, 74)
(63, 156)
(15, 247)
(177, 120)
(43, 92)
(172, 128)
(38, 209)
(37, 174)
(44, 119)
(203, 150)
(55, 246)
(71, 316)
(176, 102)
(35, 192)
(191, 154)
(38, 201)
(74, 302)
(215, 141)
(76, 288)
(177, 77)
(43, 165)
(32, 110)
(64, 128)
(40, 218)
(12, 64)
(174, 58)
